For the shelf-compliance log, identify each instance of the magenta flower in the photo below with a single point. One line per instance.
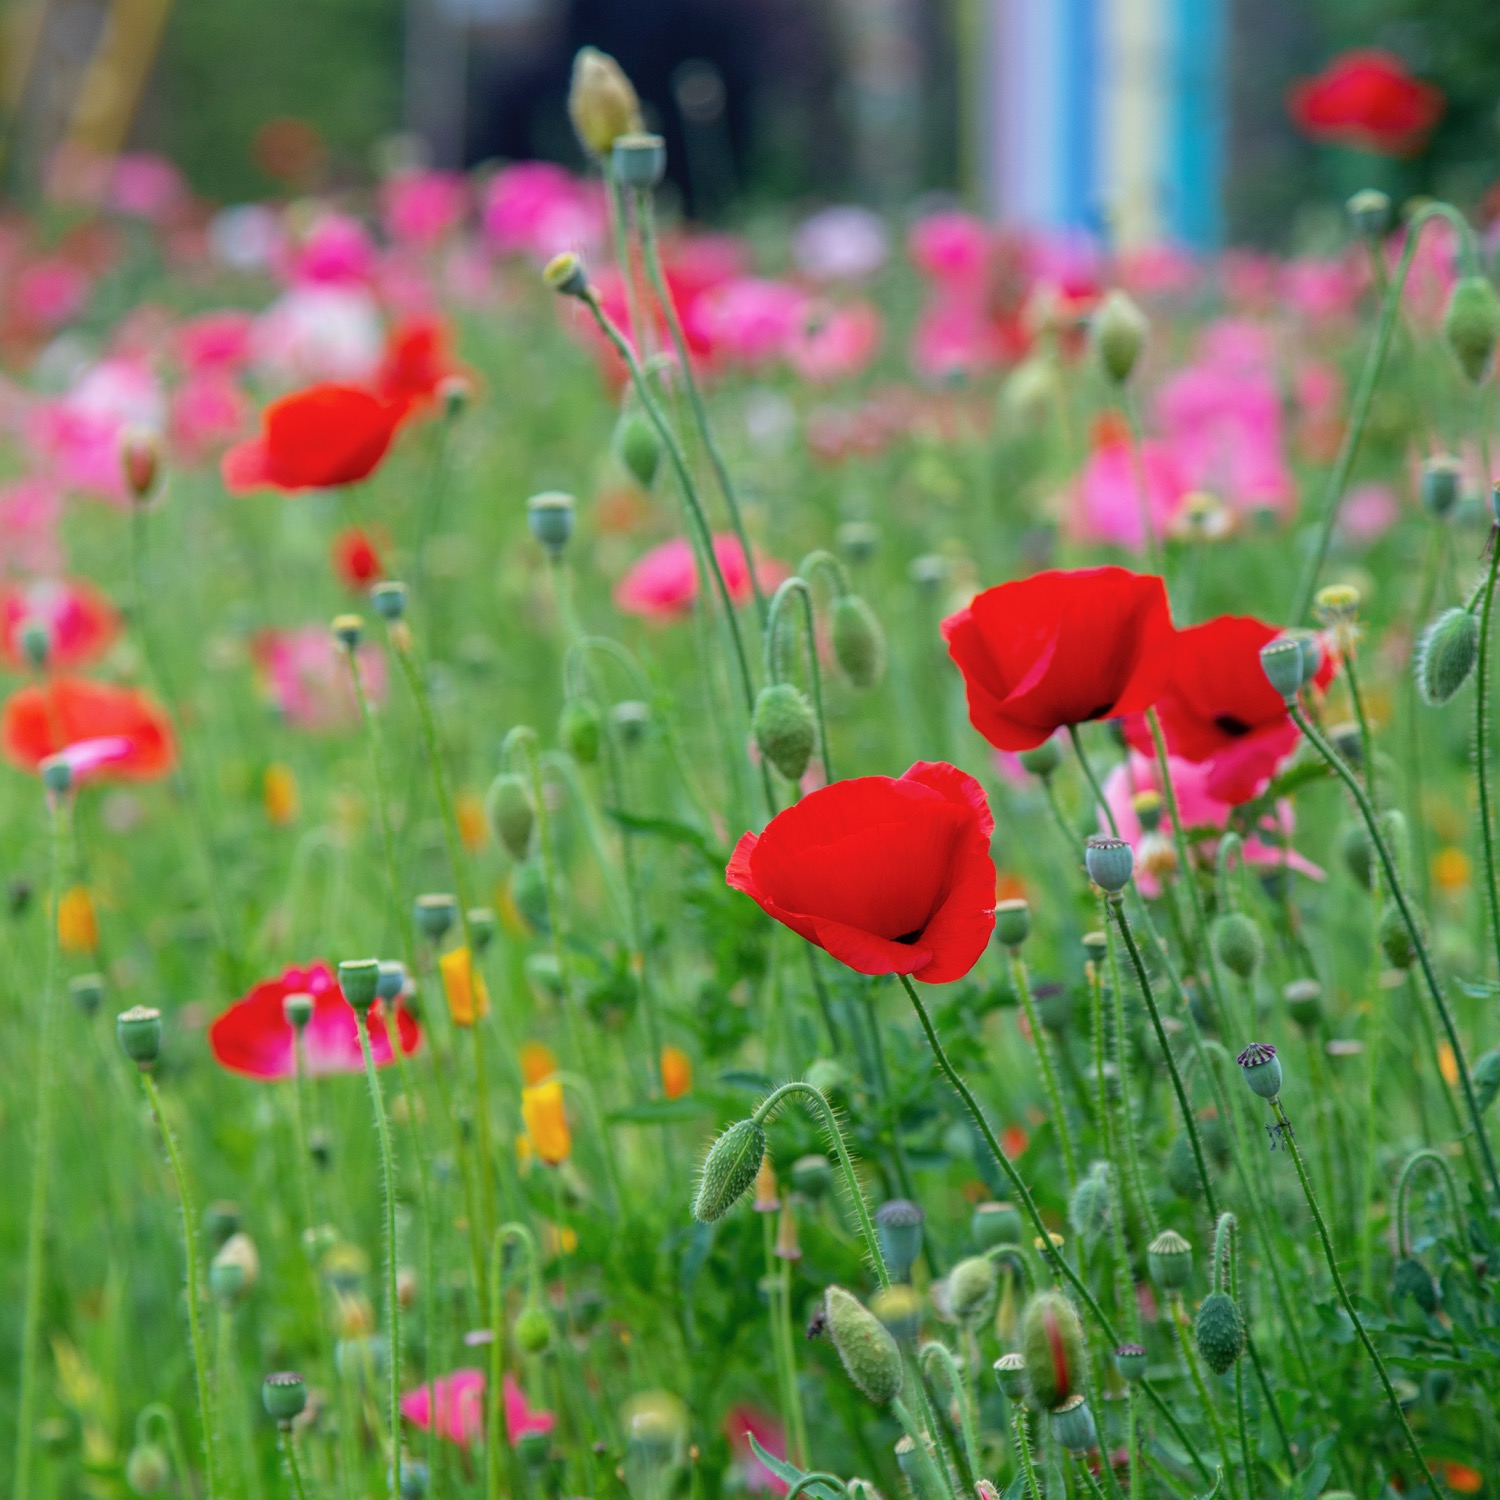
(663, 585)
(50, 293)
(146, 186)
(217, 341)
(336, 251)
(421, 208)
(460, 1412)
(835, 343)
(304, 674)
(1108, 506)
(750, 320)
(536, 209)
(30, 514)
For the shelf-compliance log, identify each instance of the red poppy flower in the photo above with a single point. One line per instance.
(1367, 99)
(891, 875)
(323, 436)
(1219, 708)
(355, 559)
(80, 622)
(254, 1038)
(104, 730)
(1059, 649)
(417, 360)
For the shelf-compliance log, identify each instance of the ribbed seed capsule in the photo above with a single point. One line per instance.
(1220, 1332)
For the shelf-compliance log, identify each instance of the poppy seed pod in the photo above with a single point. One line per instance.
(483, 924)
(565, 275)
(435, 913)
(1043, 759)
(87, 991)
(392, 981)
(858, 640)
(359, 979)
(1262, 1069)
(1369, 213)
(1237, 944)
(602, 102)
(148, 1470)
(139, 1033)
(898, 1229)
(1446, 655)
(857, 541)
(1220, 1332)
(1130, 1361)
(550, 517)
(868, 1353)
(1281, 661)
(57, 775)
(1010, 1371)
(639, 159)
(348, 631)
(1304, 1002)
(731, 1166)
(971, 1288)
(1119, 334)
(1440, 477)
(533, 1328)
(1072, 1424)
(784, 728)
(638, 448)
(1052, 1346)
(1471, 326)
(389, 599)
(284, 1396)
(1395, 938)
(1109, 861)
(297, 1008)
(1170, 1258)
(995, 1224)
(1013, 922)
(579, 727)
(36, 642)
(508, 806)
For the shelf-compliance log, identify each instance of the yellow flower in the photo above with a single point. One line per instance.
(77, 926)
(547, 1122)
(537, 1062)
(1450, 870)
(558, 1239)
(278, 794)
(468, 998)
(469, 811)
(1447, 1064)
(676, 1072)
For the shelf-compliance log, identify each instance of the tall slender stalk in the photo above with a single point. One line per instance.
(1481, 739)
(1022, 983)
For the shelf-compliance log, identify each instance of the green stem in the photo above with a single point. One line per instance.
(1366, 739)
(289, 1450)
(1124, 1279)
(1481, 745)
(1093, 781)
(1190, 1359)
(1227, 1270)
(1021, 1435)
(799, 587)
(1049, 1073)
(942, 1355)
(932, 1471)
(1150, 542)
(1122, 1067)
(1426, 1156)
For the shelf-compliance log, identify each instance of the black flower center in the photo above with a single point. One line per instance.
(1233, 727)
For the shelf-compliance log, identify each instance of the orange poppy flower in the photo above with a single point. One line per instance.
(468, 996)
(676, 1072)
(546, 1122)
(106, 731)
(537, 1062)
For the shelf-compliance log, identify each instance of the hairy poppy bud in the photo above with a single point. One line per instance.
(1446, 655)
(1262, 1069)
(731, 1166)
(602, 103)
(971, 1288)
(284, 1396)
(1072, 1424)
(1043, 760)
(639, 160)
(1010, 1371)
(1109, 861)
(1170, 1258)
(533, 1329)
(1119, 334)
(1304, 1002)
(1369, 213)
(565, 275)
(1237, 944)
(435, 913)
(1220, 1332)
(1013, 922)
(359, 979)
(1089, 1207)
(868, 1353)
(1472, 325)
(1411, 1278)
(858, 641)
(1440, 476)
(1052, 1346)
(579, 727)
(1395, 938)
(1281, 661)
(550, 517)
(139, 1033)
(1181, 1168)
(898, 1229)
(148, 1470)
(508, 806)
(784, 728)
(639, 448)
(1130, 1361)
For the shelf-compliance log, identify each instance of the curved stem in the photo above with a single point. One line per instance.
(941, 1354)
(1021, 1435)
(1093, 781)
(799, 588)
(1414, 1163)
(929, 1467)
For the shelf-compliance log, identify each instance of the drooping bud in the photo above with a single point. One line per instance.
(870, 1356)
(508, 806)
(1471, 326)
(1109, 861)
(729, 1169)
(1220, 1332)
(858, 641)
(898, 1229)
(533, 1328)
(1119, 335)
(1395, 938)
(639, 448)
(1072, 1424)
(1281, 661)
(1237, 944)
(148, 1470)
(550, 517)
(971, 1288)
(138, 1031)
(579, 728)
(1170, 1258)
(1052, 1346)
(1181, 1168)
(1013, 922)
(1369, 213)
(359, 980)
(1262, 1069)
(602, 103)
(1446, 655)
(1440, 476)
(639, 160)
(785, 729)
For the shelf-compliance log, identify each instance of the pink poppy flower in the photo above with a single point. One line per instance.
(1199, 811)
(30, 514)
(146, 186)
(742, 1422)
(208, 412)
(320, 332)
(536, 209)
(835, 343)
(663, 585)
(80, 622)
(842, 243)
(216, 340)
(421, 208)
(951, 249)
(50, 293)
(750, 320)
(304, 674)
(1108, 508)
(953, 337)
(1368, 512)
(78, 436)
(1434, 269)
(460, 1409)
(1325, 291)
(1159, 270)
(336, 251)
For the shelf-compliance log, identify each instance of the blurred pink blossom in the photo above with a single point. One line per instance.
(460, 1414)
(1108, 505)
(842, 243)
(536, 209)
(336, 251)
(30, 513)
(835, 343)
(49, 293)
(314, 333)
(420, 208)
(304, 675)
(663, 584)
(742, 1422)
(216, 340)
(146, 186)
(952, 249)
(208, 412)
(77, 436)
(1368, 512)
(750, 320)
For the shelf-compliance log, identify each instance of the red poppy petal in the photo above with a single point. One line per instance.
(957, 786)
(866, 953)
(246, 467)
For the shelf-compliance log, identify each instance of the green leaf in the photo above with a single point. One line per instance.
(672, 831)
(790, 1474)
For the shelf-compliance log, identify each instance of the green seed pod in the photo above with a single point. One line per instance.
(812, 1176)
(971, 1288)
(1261, 1069)
(1446, 655)
(1304, 1000)
(995, 1224)
(1412, 1279)
(1440, 481)
(284, 1396)
(1119, 334)
(434, 913)
(1089, 1207)
(866, 1349)
(1220, 1332)
(1487, 1078)
(1131, 1361)
(1010, 1371)
(148, 1470)
(1170, 1258)
(728, 1170)
(1237, 944)
(1012, 922)
(139, 1033)
(1072, 1424)
(87, 992)
(898, 1231)
(1395, 938)
(1359, 857)
(1472, 326)
(508, 806)
(858, 640)
(1281, 660)
(579, 727)
(1109, 861)
(784, 728)
(533, 1329)
(1369, 213)
(1181, 1168)
(1052, 1346)
(639, 448)
(359, 979)
(1043, 759)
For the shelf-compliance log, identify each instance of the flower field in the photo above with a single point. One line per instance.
(845, 859)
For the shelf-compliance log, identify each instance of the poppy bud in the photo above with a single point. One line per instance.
(1446, 655)
(284, 1396)
(1181, 1168)
(1220, 1332)
(148, 1470)
(631, 719)
(1359, 857)
(866, 1349)
(1304, 1002)
(639, 448)
(456, 393)
(857, 541)
(784, 728)
(389, 599)
(138, 1031)
(57, 775)
(1471, 325)
(1237, 944)
(533, 1329)
(297, 1009)
(1411, 1278)
(1072, 1424)
(565, 275)
(1119, 334)
(1170, 1258)
(348, 630)
(1395, 938)
(1262, 1069)
(1012, 922)
(1487, 1078)
(602, 103)
(858, 641)
(511, 814)
(729, 1169)
(550, 517)
(87, 991)
(639, 160)
(1043, 760)
(898, 1229)
(140, 459)
(1130, 1361)
(995, 1224)
(578, 729)
(36, 643)
(1109, 862)
(1369, 213)
(1440, 476)
(435, 913)
(1052, 1347)
(359, 979)
(1089, 1207)
(1148, 809)
(971, 1288)
(483, 925)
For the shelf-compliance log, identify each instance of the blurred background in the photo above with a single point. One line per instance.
(1141, 120)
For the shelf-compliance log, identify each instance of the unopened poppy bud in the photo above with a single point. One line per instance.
(140, 460)
(435, 913)
(639, 160)
(971, 1288)
(1130, 1361)
(1052, 1346)
(1304, 1002)
(785, 729)
(1119, 335)
(533, 1329)
(899, 1308)
(1237, 944)
(1013, 922)
(1262, 1069)
(1148, 809)
(1281, 661)
(1471, 326)
(1410, 1278)
(389, 599)
(868, 1353)
(1487, 1078)
(1440, 476)
(483, 924)
(1042, 760)
(36, 643)
(297, 1008)
(359, 979)
(858, 641)
(348, 631)
(138, 1031)
(565, 275)
(857, 541)
(1220, 1332)
(898, 1229)
(456, 394)
(1109, 861)
(57, 775)
(1446, 655)
(148, 1470)
(550, 517)
(811, 1176)
(509, 808)
(1096, 946)
(1170, 1258)
(639, 448)
(1010, 1371)
(284, 1396)
(1072, 1424)
(87, 991)
(1395, 938)
(1089, 1207)
(579, 727)
(602, 103)
(1180, 1169)
(392, 981)
(1369, 213)
(995, 1224)
(1354, 845)
(729, 1169)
